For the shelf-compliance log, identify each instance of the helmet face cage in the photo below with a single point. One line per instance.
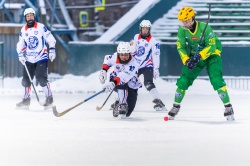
(146, 24)
(186, 13)
(29, 11)
(123, 48)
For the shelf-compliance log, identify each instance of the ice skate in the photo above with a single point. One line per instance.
(24, 104)
(115, 111)
(123, 109)
(48, 102)
(229, 113)
(114, 104)
(159, 106)
(174, 111)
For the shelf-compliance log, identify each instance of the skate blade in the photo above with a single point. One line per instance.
(123, 116)
(230, 118)
(22, 108)
(170, 117)
(160, 109)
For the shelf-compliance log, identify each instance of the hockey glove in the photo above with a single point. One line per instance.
(192, 62)
(103, 76)
(109, 87)
(52, 54)
(156, 73)
(22, 59)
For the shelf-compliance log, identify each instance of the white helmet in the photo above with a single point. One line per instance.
(123, 47)
(145, 23)
(28, 11)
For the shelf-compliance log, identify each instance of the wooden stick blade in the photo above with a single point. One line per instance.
(98, 108)
(58, 114)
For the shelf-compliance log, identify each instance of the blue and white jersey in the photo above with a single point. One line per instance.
(146, 51)
(32, 42)
(123, 73)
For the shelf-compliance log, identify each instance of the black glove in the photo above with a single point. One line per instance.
(192, 62)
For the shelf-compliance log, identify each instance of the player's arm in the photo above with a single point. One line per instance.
(21, 44)
(107, 63)
(49, 38)
(156, 54)
(181, 46)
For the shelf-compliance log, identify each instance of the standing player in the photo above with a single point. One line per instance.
(146, 50)
(209, 57)
(32, 52)
(124, 78)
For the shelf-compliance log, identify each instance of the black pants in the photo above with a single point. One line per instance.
(131, 100)
(39, 69)
(148, 77)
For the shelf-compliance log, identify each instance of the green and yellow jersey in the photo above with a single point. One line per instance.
(187, 42)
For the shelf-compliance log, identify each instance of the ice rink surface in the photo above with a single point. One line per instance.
(199, 135)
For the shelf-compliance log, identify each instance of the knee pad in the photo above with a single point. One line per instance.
(149, 85)
(26, 82)
(42, 81)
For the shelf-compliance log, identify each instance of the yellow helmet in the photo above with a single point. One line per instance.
(186, 13)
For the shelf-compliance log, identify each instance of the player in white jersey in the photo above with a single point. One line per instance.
(33, 52)
(124, 78)
(146, 50)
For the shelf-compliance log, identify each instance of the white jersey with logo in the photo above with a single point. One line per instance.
(146, 51)
(125, 73)
(32, 42)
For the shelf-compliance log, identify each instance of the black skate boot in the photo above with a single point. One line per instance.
(48, 102)
(159, 106)
(229, 113)
(114, 104)
(174, 111)
(24, 104)
(123, 109)
(115, 110)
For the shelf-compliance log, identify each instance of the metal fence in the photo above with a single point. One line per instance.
(240, 83)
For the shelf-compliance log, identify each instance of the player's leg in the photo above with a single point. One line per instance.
(214, 69)
(186, 79)
(150, 86)
(131, 100)
(42, 78)
(27, 86)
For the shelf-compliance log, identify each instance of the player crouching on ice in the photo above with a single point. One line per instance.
(33, 54)
(123, 79)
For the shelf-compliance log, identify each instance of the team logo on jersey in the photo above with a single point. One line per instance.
(118, 67)
(45, 29)
(157, 45)
(140, 51)
(222, 95)
(32, 42)
(194, 38)
(178, 95)
(35, 32)
(211, 35)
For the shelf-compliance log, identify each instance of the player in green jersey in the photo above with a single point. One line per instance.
(208, 56)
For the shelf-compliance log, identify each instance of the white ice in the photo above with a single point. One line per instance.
(199, 135)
